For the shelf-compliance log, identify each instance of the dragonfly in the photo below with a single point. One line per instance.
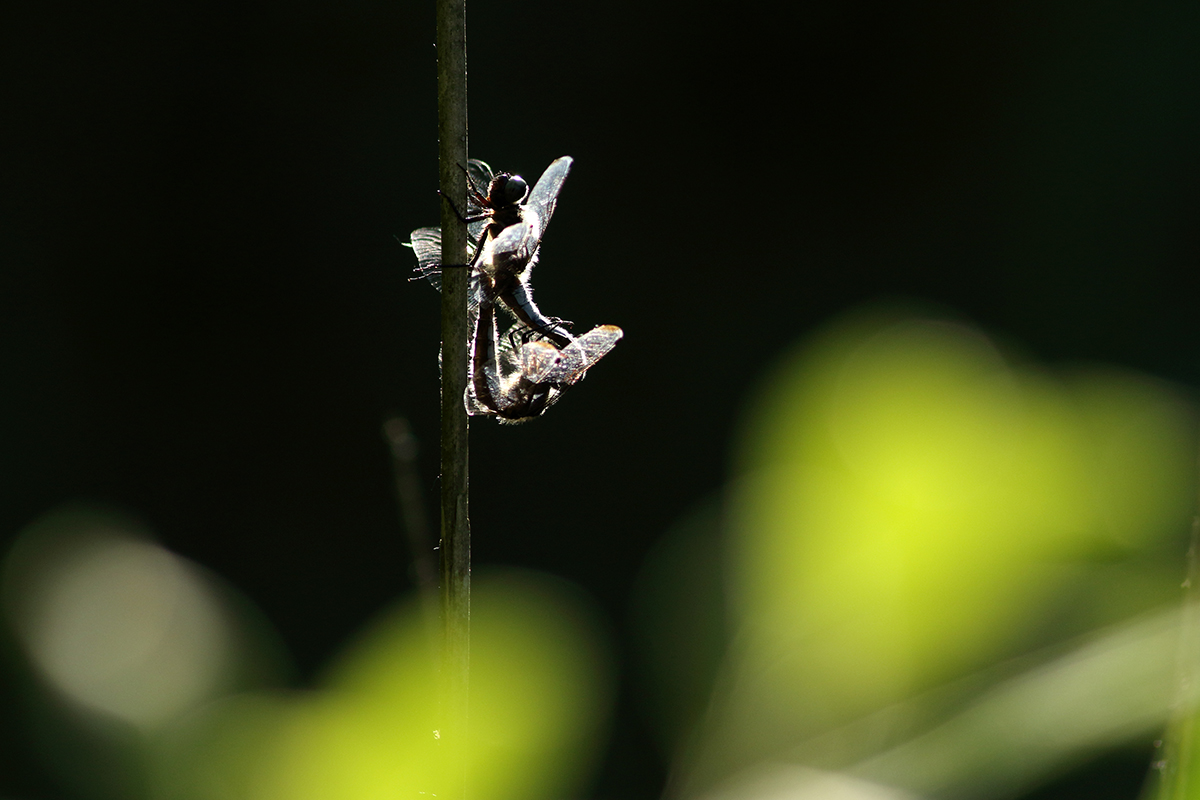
(516, 381)
(517, 376)
(505, 224)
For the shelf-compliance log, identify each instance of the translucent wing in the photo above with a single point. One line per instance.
(546, 372)
(517, 377)
(544, 196)
(515, 248)
(538, 359)
(427, 245)
(567, 366)
(479, 174)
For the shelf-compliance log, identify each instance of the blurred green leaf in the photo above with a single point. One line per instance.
(539, 694)
(914, 506)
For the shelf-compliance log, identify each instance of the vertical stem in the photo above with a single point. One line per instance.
(456, 533)
(1178, 764)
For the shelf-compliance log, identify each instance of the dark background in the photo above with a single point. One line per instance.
(206, 317)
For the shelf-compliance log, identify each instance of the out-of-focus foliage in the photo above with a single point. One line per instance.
(141, 657)
(911, 502)
(913, 507)
(115, 623)
(538, 691)
(938, 571)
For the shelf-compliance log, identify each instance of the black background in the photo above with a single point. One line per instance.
(206, 317)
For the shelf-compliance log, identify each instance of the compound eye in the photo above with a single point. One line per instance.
(515, 189)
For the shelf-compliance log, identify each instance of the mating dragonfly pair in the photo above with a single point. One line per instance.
(517, 376)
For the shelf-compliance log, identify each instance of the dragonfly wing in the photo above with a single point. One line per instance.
(514, 250)
(427, 244)
(479, 174)
(596, 343)
(537, 359)
(544, 196)
(580, 355)
(475, 229)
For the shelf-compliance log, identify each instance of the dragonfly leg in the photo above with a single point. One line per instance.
(458, 213)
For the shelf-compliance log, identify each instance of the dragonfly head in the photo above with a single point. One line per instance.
(507, 190)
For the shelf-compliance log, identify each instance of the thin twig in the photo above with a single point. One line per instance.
(456, 533)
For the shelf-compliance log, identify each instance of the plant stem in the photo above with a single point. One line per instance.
(1177, 766)
(456, 532)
